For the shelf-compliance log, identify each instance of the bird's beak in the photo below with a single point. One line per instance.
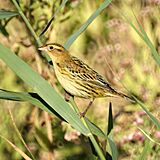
(42, 48)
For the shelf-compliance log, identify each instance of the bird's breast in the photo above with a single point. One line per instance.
(69, 83)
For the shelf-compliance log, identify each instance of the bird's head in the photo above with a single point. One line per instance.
(55, 51)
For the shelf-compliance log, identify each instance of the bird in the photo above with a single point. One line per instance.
(77, 78)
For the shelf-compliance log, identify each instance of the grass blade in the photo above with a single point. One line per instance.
(74, 36)
(154, 52)
(146, 150)
(36, 100)
(32, 98)
(94, 129)
(112, 145)
(28, 96)
(50, 21)
(19, 134)
(110, 119)
(154, 120)
(113, 148)
(7, 14)
(42, 88)
(146, 39)
(26, 157)
(148, 136)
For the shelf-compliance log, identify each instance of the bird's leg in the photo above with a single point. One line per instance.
(85, 111)
(67, 96)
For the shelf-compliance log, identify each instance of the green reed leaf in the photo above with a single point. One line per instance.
(74, 36)
(7, 14)
(42, 88)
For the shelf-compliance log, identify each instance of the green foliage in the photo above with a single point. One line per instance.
(113, 44)
(73, 37)
(42, 88)
(7, 14)
(154, 120)
(146, 39)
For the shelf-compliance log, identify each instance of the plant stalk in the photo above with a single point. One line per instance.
(38, 42)
(90, 135)
(27, 23)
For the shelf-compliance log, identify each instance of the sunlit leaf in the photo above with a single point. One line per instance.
(42, 88)
(74, 36)
(7, 14)
(36, 100)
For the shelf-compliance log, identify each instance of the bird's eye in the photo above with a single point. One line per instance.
(51, 47)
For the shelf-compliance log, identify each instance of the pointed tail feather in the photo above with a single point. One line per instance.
(114, 92)
(131, 99)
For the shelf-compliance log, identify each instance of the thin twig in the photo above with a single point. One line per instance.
(16, 148)
(19, 134)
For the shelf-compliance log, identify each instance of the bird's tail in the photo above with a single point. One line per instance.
(129, 98)
(114, 92)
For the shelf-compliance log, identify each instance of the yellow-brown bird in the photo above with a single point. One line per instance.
(76, 77)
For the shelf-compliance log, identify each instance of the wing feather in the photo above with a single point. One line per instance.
(82, 71)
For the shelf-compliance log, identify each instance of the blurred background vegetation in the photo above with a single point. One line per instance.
(112, 48)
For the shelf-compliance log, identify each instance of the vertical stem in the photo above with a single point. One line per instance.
(27, 23)
(90, 135)
(18, 133)
(39, 43)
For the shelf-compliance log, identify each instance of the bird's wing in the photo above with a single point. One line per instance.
(82, 71)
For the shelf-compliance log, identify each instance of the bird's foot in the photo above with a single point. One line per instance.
(82, 114)
(67, 96)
